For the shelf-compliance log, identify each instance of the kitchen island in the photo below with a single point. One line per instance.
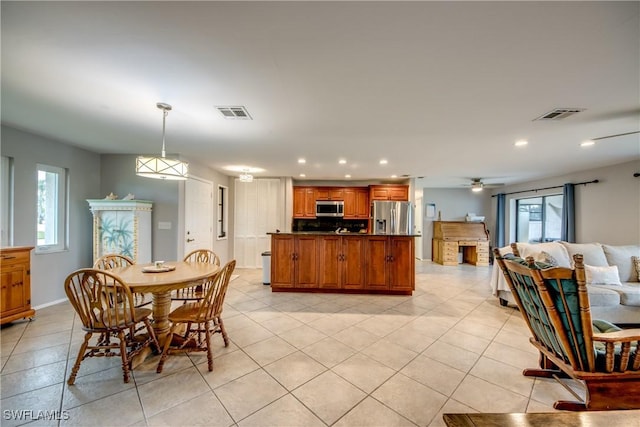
(342, 262)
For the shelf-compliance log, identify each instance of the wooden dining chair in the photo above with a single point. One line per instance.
(200, 318)
(197, 291)
(111, 261)
(105, 306)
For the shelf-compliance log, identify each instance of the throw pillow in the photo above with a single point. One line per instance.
(636, 264)
(621, 256)
(597, 275)
(547, 258)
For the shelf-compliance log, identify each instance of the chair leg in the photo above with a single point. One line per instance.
(223, 331)
(207, 337)
(152, 335)
(76, 366)
(123, 355)
(165, 350)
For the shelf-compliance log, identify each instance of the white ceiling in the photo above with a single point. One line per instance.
(442, 90)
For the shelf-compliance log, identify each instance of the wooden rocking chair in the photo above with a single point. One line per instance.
(555, 305)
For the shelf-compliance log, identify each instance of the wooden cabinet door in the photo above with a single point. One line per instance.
(401, 263)
(389, 192)
(310, 203)
(282, 261)
(336, 194)
(306, 262)
(356, 203)
(330, 262)
(378, 193)
(298, 202)
(304, 202)
(376, 262)
(352, 261)
(12, 298)
(350, 207)
(399, 193)
(322, 193)
(362, 203)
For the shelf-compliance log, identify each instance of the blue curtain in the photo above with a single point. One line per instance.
(568, 231)
(500, 219)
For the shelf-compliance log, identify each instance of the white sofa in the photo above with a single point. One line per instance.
(616, 303)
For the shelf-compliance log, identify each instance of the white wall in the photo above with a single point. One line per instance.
(452, 205)
(606, 212)
(48, 271)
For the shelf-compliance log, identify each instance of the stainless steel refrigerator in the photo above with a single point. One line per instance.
(392, 217)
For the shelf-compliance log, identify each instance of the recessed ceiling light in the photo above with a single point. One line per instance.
(302, 161)
(347, 176)
(383, 162)
(302, 175)
(342, 161)
(394, 176)
(587, 143)
(521, 143)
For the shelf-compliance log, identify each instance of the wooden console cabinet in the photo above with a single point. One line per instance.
(122, 227)
(450, 236)
(15, 270)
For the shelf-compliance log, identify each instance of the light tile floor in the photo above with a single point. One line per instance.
(296, 360)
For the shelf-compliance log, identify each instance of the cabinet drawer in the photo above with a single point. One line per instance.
(482, 249)
(468, 243)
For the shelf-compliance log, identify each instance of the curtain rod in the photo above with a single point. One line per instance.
(595, 181)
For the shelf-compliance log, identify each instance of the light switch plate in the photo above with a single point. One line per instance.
(164, 225)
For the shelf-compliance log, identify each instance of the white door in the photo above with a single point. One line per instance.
(258, 210)
(198, 215)
(419, 220)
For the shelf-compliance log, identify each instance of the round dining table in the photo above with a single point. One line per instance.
(146, 278)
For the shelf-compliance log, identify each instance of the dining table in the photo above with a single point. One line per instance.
(160, 281)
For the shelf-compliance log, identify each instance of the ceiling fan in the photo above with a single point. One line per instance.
(476, 184)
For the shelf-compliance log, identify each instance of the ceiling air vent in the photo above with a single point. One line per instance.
(234, 113)
(559, 113)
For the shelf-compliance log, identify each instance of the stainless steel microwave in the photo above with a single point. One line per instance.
(333, 208)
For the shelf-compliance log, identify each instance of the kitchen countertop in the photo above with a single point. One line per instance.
(333, 233)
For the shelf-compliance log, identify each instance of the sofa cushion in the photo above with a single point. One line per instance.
(621, 256)
(592, 253)
(602, 275)
(554, 249)
(629, 293)
(600, 296)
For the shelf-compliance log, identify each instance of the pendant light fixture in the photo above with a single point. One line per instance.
(245, 176)
(161, 167)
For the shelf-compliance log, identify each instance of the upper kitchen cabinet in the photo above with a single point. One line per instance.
(356, 203)
(389, 192)
(328, 193)
(304, 202)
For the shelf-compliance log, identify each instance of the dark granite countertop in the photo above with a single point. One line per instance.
(333, 233)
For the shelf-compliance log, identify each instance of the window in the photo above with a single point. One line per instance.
(6, 183)
(52, 213)
(222, 212)
(539, 219)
